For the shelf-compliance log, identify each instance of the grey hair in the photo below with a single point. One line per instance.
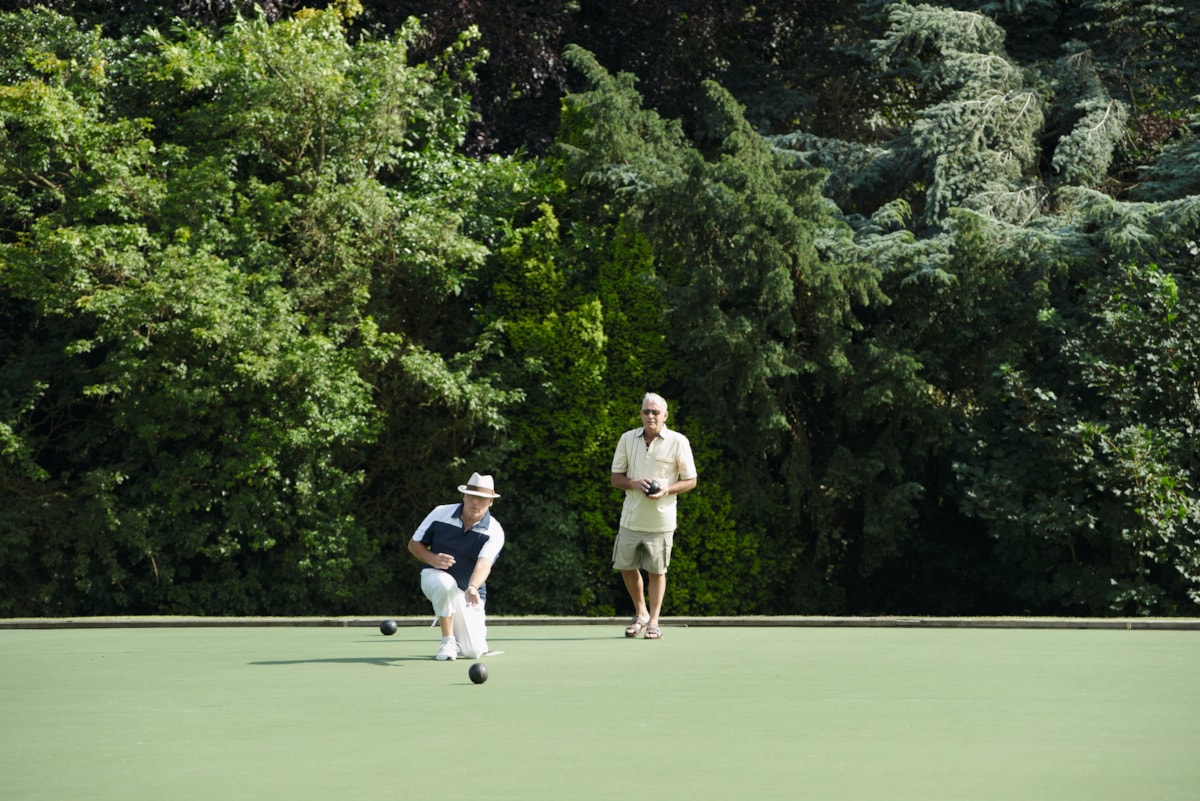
(654, 396)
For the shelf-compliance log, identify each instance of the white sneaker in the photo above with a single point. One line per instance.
(448, 651)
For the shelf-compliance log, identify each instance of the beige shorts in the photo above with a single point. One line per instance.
(642, 550)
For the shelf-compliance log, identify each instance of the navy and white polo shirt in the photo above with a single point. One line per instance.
(442, 532)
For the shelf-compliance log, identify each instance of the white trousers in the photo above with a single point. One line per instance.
(470, 627)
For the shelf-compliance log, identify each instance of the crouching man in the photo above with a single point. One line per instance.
(458, 543)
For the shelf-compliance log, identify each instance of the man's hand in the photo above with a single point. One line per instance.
(652, 489)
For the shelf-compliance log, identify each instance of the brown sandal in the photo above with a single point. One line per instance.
(635, 626)
(653, 633)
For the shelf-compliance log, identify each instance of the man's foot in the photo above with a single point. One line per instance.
(449, 650)
(653, 633)
(635, 626)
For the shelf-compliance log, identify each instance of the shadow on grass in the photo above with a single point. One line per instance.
(620, 635)
(382, 661)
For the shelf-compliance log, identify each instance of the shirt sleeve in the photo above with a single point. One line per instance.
(491, 549)
(620, 462)
(419, 534)
(686, 463)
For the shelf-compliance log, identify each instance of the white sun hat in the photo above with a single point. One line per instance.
(483, 486)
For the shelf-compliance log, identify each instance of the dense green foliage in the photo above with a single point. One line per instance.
(192, 343)
(918, 280)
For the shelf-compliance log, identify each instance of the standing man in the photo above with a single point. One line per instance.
(646, 456)
(458, 543)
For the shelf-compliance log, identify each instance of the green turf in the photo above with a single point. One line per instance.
(579, 712)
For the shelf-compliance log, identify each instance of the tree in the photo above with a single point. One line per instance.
(1084, 467)
(189, 423)
(757, 302)
(916, 278)
(120, 18)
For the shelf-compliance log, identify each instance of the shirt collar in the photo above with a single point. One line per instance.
(457, 515)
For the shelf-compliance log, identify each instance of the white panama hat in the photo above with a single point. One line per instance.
(483, 486)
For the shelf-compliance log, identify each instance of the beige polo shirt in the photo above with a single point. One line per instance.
(668, 459)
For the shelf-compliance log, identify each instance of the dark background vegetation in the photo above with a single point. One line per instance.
(918, 280)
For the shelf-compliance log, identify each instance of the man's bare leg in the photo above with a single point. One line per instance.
(637, 594)
(657, 588)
